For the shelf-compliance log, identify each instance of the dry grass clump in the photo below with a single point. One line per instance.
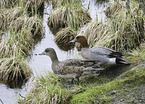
(24, 33)
(98, 33)
(7, 3)
(9, 15)
(73, 15)
(16, 17)
(57, 3)
(124, 31)
(113, 8)
(32, 25)
(18, 23)
(16, 42)
(129, 28)
(32, 6)
(63, 38)
(22, 36)
(36, 26)
(47, 89)
(20, 32)
(14, 70)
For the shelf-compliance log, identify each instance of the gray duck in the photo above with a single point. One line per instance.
(103, 55)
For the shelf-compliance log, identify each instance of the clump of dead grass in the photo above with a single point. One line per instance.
(129, 28)
(63, 38)
(123, 31)
(73, 15)
(14, 70)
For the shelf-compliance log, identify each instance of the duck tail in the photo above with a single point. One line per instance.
(118, 54)
(122, 61)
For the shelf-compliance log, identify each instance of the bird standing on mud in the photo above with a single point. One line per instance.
(71, 68)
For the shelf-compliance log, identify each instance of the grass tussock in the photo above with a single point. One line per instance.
(7, 3)
(57, 3)
(19, 40)
(63, 38)
(34, 6)
(21, 29)
(73, 15)
(47, 89)
(10, 15)
(31, 6)
(128, 27)
(114, 8)
(96, 32)
(17, 18)
(123, 31)
(14, 70)
(13, 43)
(138, 55)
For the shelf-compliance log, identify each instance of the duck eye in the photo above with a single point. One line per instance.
(77, 37)
(47, 50)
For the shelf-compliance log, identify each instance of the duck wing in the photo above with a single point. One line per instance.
(77, 66)
(81, 63)
(101, 50)
(107, 52)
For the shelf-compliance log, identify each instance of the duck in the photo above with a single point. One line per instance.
(105, 56)
(71, 68)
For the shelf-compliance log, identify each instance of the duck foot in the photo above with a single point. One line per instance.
(69, 84)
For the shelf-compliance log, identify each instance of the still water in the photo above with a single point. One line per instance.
(40, 64)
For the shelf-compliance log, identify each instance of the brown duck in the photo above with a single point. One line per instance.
(71, 68)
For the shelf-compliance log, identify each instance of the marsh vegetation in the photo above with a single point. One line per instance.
(20, 31)
(124, 30)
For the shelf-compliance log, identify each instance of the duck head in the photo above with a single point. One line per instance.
(51, 53)
(82, 40)
(48, 52)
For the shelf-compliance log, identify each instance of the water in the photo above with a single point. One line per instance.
(40, 64)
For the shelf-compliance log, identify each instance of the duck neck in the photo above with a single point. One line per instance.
(54, 58)
(84, 44)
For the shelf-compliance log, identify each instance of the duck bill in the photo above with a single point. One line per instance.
(73, 41)
(41, 53)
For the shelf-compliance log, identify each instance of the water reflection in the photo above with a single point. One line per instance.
(96, 9)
